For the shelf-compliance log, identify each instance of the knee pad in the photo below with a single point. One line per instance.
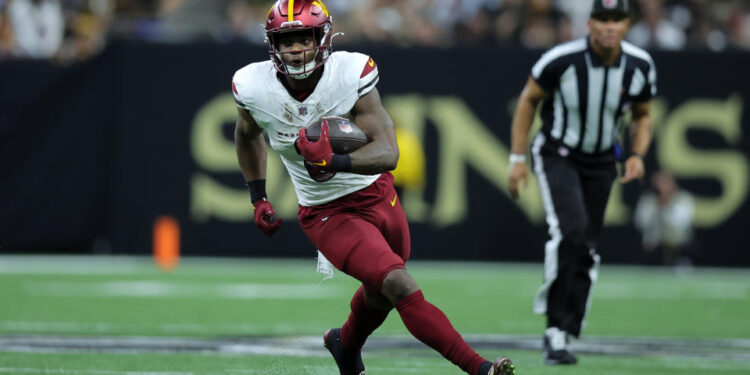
(398, 285)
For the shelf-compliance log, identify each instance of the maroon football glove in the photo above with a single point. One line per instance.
(318, 153)
(264, 217)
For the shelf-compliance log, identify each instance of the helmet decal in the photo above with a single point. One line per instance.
(322, 7)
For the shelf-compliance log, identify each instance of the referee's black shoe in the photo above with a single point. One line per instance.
(349, 363)
(555, 348)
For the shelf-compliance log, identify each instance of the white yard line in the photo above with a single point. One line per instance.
(30, 370)
(71, 265)
(712, 290)
(43, 327)
(162, 289)
(703, 289)
(132, 265)
(710, 365)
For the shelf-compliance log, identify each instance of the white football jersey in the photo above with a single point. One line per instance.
(346, 77)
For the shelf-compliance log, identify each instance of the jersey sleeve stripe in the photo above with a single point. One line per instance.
(240, 104)
(369, 85)
(364, 81)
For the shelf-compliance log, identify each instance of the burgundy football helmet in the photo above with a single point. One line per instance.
(297, 15)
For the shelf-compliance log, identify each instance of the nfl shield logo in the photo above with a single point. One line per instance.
(303, 111)
(610, 4)
(345, 127)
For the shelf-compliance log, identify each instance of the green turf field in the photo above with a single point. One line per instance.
(122, 316)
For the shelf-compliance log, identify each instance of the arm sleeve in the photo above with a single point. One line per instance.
(545, 72)
(240, 91)
(649, 88)
(369, 77)
(236, 95)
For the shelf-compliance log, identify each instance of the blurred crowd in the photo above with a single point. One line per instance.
(70, 30)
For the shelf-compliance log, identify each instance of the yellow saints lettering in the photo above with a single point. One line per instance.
(473, 146)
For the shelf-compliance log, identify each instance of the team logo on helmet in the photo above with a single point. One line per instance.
(610, 4)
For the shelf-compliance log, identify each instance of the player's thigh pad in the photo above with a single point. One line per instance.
(394, 225)
(356, 247)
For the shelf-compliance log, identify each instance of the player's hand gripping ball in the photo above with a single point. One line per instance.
(344, 135)
(321, 140)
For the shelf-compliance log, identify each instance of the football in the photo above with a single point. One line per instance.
(345, 135)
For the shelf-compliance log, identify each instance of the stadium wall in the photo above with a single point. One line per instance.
(92, 154)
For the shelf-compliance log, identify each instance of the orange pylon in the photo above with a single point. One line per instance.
(166, 242)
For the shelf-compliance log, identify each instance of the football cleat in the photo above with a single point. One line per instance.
(348, 363)
(555, 348)
(502, 366)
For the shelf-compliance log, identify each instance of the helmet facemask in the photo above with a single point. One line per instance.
(322, 38)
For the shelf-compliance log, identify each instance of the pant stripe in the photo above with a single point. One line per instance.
(551, 247)
(593, 276)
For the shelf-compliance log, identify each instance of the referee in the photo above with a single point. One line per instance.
(585, 87)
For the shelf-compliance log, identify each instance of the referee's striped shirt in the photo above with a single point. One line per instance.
(587, 99)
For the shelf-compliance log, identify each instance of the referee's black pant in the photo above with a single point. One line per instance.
(575, 188)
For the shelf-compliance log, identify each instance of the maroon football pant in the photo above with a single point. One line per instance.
(364, 234)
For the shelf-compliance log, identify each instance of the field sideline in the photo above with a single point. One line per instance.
(122, 316)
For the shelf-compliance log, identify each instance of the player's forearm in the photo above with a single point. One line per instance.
(251, 155)
(375, 157)
(522, 120)
(641, 135)
(381, 154)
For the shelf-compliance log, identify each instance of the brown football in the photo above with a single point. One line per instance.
(345, 135)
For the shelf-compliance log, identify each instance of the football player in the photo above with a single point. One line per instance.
(353, 215)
